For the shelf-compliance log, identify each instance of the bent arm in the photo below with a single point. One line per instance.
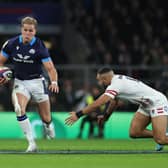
(53, 75)
(49, 67)
(113, 105)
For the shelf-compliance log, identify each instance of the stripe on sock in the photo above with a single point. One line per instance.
(21, 118)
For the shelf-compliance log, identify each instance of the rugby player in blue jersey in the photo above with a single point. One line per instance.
(27, 54)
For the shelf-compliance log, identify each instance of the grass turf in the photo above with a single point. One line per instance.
(82, 160)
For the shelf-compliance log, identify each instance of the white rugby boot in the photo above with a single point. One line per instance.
(49, 130)
(32, 147)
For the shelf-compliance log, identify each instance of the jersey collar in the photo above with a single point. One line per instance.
(31, 42)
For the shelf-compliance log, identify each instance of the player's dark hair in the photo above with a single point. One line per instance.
(104, 70)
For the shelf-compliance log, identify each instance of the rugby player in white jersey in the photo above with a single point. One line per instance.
(27, 54)
(153, 105)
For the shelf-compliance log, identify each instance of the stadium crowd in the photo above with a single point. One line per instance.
(123, 32)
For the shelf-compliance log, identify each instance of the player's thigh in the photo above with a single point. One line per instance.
(139, 121)
(38, 90)
(20, 102)
(159, 125)
(20, 96)
(22, 99)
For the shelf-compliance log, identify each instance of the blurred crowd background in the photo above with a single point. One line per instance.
(83, 35)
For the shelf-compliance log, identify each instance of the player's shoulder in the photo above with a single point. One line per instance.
(40, 43)
(11, 41)
(14, 39)
(117, 81)
(118, 77)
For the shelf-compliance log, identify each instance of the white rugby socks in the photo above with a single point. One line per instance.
(26, 127)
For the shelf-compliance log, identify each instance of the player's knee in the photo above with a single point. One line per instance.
(134, 133)
(161, 139)
(18, 110)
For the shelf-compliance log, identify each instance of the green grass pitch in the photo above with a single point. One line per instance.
(19, 159)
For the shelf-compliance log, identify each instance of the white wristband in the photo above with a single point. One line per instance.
(54, 82)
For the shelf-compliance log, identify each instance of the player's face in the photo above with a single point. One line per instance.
(28, 32)
(103, 80)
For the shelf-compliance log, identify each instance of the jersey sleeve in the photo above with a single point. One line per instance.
(6, 49)
(44, 54)
(114, 89)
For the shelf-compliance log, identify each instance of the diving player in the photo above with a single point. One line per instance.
(153, 105)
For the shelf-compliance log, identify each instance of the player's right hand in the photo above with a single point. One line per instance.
(3, 81)
(54, 88)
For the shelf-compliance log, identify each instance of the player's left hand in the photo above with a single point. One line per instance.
(54, 88)
(71, 119)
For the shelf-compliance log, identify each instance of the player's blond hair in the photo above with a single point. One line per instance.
(29, 20)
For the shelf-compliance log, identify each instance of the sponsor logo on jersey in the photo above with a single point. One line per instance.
(166, 109)
(24, 59)
(32, 51)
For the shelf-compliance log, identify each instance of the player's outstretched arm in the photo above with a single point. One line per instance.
(74, 116)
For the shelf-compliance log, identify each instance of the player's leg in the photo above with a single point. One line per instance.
(40, 96)
(160, 147)
(83, 122)
(20, 102)
(138, 126)
(100, 130)
(159, 125)
(91, 127)
(44, 111)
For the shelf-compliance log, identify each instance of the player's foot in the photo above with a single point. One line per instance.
(49, 130)
(159, 147)
(32, 147)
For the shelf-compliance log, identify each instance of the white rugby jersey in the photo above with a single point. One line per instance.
(135, 91)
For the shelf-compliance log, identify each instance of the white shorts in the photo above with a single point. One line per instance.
(34, 88)
(159, 108)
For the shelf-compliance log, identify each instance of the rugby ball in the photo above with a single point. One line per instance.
(5, 72)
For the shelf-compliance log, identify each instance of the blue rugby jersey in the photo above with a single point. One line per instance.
(26, 58)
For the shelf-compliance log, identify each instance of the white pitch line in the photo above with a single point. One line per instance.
(84, 152)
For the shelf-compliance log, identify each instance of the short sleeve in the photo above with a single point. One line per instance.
(44, 54)
(114, 89)
(6, 49)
